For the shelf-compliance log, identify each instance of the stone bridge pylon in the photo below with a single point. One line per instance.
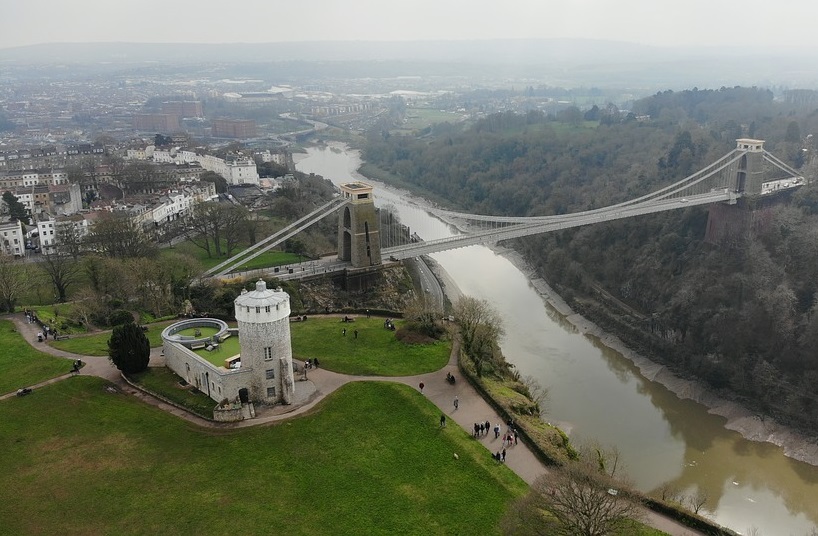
(359, 240)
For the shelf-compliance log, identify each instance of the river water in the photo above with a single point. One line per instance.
(596, 394)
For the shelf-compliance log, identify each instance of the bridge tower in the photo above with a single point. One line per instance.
(359, 240)
(750, 167)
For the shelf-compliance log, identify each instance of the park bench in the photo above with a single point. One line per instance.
(60, 337)
(198, 346)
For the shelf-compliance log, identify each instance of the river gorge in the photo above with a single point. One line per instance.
(597, 393)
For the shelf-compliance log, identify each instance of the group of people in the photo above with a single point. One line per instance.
(354, 332)
(481, 428)
(311, 363)
(388, 324)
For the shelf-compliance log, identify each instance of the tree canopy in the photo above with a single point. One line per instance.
(129, 349)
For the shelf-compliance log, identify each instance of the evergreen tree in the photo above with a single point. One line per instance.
(17, 210)
(129, 348)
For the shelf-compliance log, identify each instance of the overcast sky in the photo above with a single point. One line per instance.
(653, 22)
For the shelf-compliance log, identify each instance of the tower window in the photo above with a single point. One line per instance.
(268, 352)
(270, 374)
(267, 309)
(258, 310)
(271, 392)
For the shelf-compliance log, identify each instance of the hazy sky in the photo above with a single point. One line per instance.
(654, 22)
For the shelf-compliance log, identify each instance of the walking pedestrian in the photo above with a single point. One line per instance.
(344, 332)
(456, 402)
(476, 429)
(356, 333)
(421, 387)
(504, 455)
(442, 420)
(496, 431)
(481, 428)
(516, 437)
(487, 427)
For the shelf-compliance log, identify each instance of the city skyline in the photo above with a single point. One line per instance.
(692, 23)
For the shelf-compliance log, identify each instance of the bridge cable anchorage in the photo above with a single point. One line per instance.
(277, 238)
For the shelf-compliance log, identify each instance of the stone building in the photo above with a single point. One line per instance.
(263, 317)
(262, 372)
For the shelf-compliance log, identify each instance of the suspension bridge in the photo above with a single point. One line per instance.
(746, 171)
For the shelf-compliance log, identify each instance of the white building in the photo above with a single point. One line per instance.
(11, 238)
(49, 230)
(235, 169)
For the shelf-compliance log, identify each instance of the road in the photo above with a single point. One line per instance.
(430, 287)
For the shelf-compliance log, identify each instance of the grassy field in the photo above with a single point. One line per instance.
(420, 118)
(266, 259)
(376, 351)
(21, 364)
(165, 382)
(93, 462)
(97, 343)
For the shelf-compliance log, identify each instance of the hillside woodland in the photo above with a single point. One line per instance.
(738, 314)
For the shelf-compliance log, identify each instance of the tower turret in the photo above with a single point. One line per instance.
(263, 317)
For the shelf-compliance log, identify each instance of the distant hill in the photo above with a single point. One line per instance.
(581, 61)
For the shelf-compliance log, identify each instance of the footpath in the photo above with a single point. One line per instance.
(471, 407)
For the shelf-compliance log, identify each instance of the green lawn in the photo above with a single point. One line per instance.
(21, 364)
(227, 348)
(93, 462)
(419, 118)
(165, 382)
(376, 351)
(59, 316)
(97, 343)
(265, 260)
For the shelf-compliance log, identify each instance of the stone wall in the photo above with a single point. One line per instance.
(217, 382)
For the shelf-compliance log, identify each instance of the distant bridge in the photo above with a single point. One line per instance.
(747, 170)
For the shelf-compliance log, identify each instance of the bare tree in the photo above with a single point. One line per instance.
(698, 500)
(86, 304)
(117, 235)
(63, 272)
(668, 493)
(234, 221)
(70, 239)
(481, 329)
(212, 222)
(536, 392)
(14, 280)
(584, 501)
(425, 317)
(581, 498)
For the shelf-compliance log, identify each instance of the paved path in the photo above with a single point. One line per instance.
(471, 406)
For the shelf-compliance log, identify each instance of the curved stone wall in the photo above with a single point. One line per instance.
(170, 333)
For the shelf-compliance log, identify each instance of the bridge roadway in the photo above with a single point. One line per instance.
(556, 223)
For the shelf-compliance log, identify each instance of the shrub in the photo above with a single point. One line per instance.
(129, 348)
(120, 316)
